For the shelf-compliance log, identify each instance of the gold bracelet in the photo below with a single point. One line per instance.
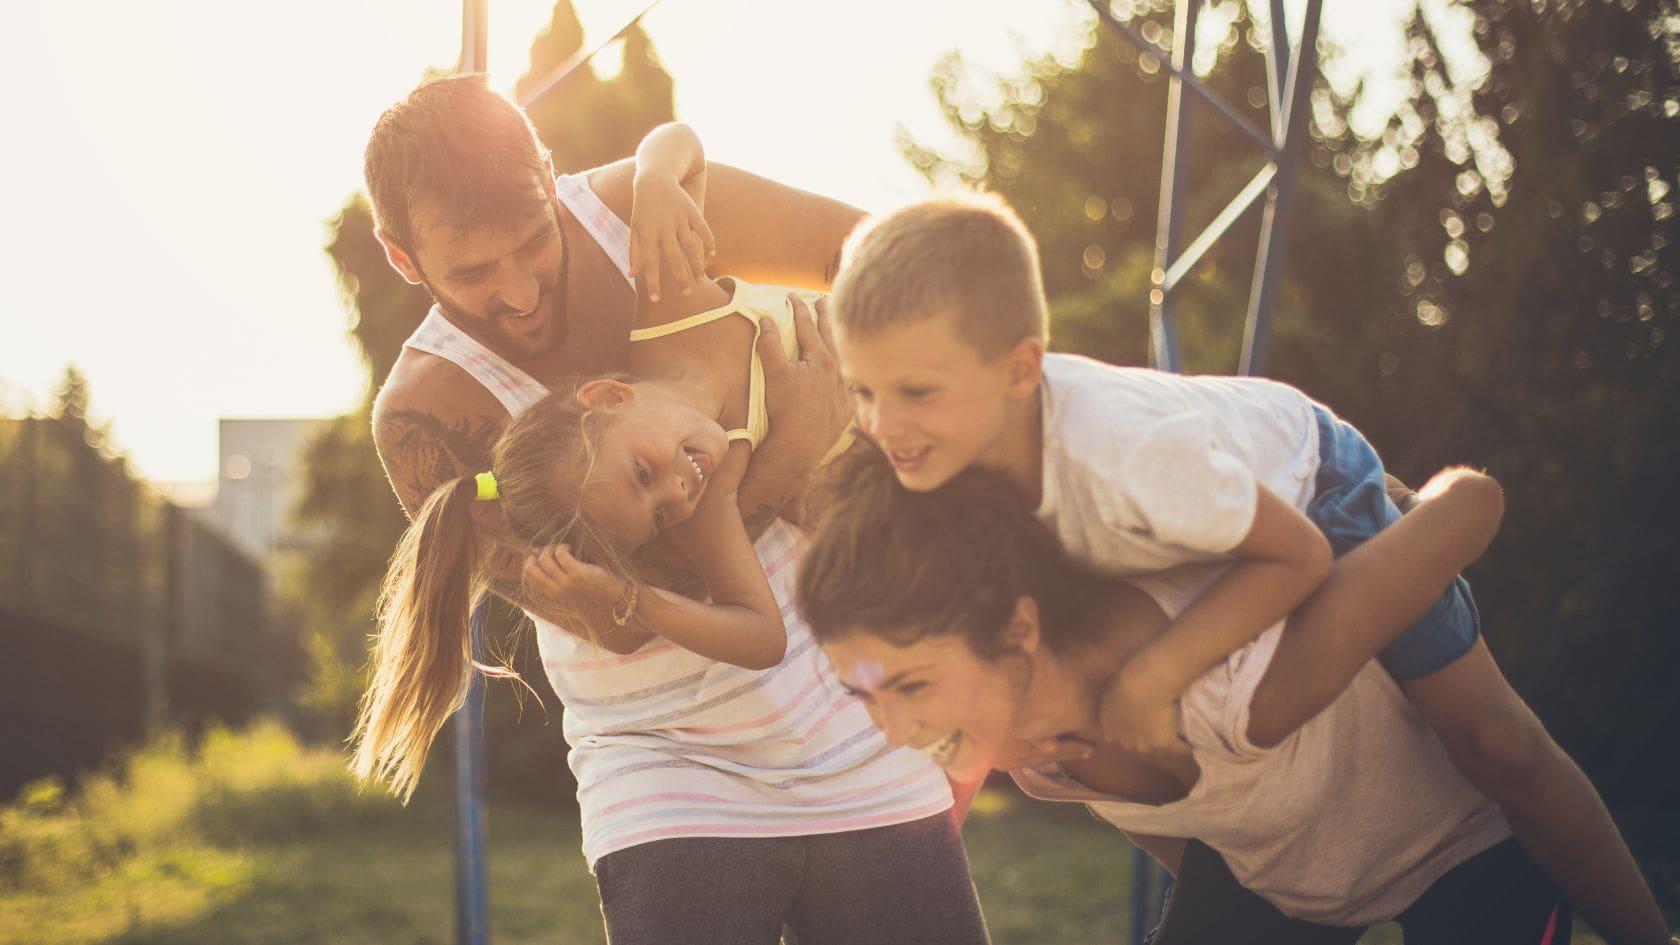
(628, 598)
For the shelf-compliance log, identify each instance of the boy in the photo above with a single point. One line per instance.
(940, 327)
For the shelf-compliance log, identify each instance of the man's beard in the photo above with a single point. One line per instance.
(493, 328)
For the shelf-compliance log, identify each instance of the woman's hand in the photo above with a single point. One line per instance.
(555, 574)
(668, 234)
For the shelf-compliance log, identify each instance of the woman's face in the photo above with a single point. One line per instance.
(935, 695)
(654, 455)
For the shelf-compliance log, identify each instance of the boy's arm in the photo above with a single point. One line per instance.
(1278, 563)
(1372, 594)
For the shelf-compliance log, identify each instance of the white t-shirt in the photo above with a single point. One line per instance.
(1145, 470)
(1346, 822)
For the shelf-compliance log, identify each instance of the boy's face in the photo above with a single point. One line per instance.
(929, 399)
(935, 695)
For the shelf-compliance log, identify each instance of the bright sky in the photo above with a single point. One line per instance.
(172, 166)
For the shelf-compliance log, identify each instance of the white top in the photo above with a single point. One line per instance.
(1347, 822)
(1145, 470)
(666, 743)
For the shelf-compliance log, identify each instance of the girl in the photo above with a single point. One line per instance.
(954, 618)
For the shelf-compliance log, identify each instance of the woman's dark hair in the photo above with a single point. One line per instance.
(905, 565)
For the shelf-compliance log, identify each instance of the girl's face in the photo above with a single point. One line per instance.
(935, 695)
(653, 457)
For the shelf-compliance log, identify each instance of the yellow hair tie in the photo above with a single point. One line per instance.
(486, 487)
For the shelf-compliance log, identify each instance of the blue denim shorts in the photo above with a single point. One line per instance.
(1349, 505)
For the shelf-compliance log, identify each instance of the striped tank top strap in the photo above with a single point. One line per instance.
(593, 215)
(513, 387)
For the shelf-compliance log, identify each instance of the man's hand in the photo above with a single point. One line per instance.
(1399, 493)
(669, 233)
(807, 400)
(555, 574)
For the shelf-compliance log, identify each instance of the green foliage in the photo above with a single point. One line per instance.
(235, 788)
(78, 535)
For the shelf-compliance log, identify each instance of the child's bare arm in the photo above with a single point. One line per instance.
(668, 231)
(1372, 594)
(741, 625)
(1278, 563)
(765, 231)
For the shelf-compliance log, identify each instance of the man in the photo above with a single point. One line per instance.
(466, 204)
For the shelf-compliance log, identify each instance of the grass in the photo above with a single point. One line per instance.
(255, 839)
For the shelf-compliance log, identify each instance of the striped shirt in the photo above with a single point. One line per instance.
(668, 744)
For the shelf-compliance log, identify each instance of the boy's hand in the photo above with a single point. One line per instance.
(667, 233)
(1138, 716)
(555, 574)
(806, 399)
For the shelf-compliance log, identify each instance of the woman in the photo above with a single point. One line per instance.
(955, 620)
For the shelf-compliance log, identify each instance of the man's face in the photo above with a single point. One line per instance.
(500, 284)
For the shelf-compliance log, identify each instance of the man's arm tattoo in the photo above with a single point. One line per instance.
(421, 450)
(759, 519)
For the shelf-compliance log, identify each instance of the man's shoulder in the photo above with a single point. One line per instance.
(424, 381)
(1081, 391)
(432, 422)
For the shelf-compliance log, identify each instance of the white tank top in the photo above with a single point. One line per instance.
(666, 743)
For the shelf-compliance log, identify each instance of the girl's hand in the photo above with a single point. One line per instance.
(555, 574)
(667, 233)
(718, 502)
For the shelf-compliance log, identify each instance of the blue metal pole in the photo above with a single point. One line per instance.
(1280, 203)
(472, 895)
(1175, 171)
(1289, 85)
(472, 884)
(1142, 869)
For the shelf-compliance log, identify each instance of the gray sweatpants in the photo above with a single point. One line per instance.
(906, 884)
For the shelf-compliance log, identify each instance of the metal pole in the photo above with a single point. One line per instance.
(1289, 85)
(472, 885)
(1175, 171)
(1280, 202)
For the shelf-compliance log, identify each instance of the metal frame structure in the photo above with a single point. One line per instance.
(1289, 77)
(1289, 74)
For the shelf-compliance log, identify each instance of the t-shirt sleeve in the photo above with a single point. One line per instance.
(1187, 490)
(1247, 668)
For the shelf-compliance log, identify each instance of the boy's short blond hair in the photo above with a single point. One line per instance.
(965, 253)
